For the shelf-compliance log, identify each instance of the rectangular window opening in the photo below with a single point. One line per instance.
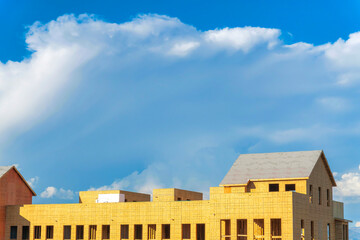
(25, 232)
(166, 231)
(49, 232)
(290, 187)
(124, 231)
(92, 232)
(105, 231)
(328, 197)
(67, 232)
(152, 231)
(328, 231)
(275, 229)
(312, 230)
(37, 232)
(302, 225)
(79, 232)
(200, 231)
(241, 229)
(311, 193)
(273, 187)
(186, 231)
(138, 231)
(319, 195)
(225, 229)
(13, 232)
(259, 233)
(345, 232)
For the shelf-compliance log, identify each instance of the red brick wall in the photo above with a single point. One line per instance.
(13, 191)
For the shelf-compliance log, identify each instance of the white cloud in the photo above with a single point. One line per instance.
(160, 60)
(32, 89)
(243, 38)
(357, 224)
(184, 48)
(49, 192)
(33, 181)
(52, 192)
(334, 104)
(348, 186)
(141, 182)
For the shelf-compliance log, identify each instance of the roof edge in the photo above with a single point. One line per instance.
(22, 178)
(262, 180)
(327, 167)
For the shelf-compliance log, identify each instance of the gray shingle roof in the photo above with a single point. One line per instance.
(271, 165)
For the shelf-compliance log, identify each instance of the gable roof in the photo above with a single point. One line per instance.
(5, 169)
(274, 166)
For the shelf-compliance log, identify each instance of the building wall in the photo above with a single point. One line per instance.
(263, 185)
(13, 191)
(174, 194)
(231, 206)
(91, 196)
(321, 214)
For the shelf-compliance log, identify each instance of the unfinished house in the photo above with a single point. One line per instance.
(271, 196)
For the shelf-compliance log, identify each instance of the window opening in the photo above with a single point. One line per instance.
(25, 232)
(138, 231)
(225, 229)
(241, 229)
(312, 230)
(302, 224)
(259, 233)
(106, 232)
(200, 231)
(186, 232)
(67, 232)
(152, 231)
(166, 231)
(37, 232)
(49, 232)
(13, 232)
(124, 231)
(79, 232)
(290, 187)
(273, 187)
(92, 231)
(275, 229)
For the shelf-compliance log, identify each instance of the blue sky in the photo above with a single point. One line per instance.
(145, 94)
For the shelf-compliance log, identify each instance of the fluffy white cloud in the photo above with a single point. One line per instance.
(156, 60)
(357, 224)
(348, 186)
(49, 192)
(33, 181)
(142, 182)
(52, 192)
(242, 38)
(33, 88)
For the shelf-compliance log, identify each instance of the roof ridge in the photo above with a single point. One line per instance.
(276, 165)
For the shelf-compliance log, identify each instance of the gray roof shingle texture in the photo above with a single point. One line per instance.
(271, 165)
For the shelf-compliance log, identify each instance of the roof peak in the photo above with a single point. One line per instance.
(274, 165)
